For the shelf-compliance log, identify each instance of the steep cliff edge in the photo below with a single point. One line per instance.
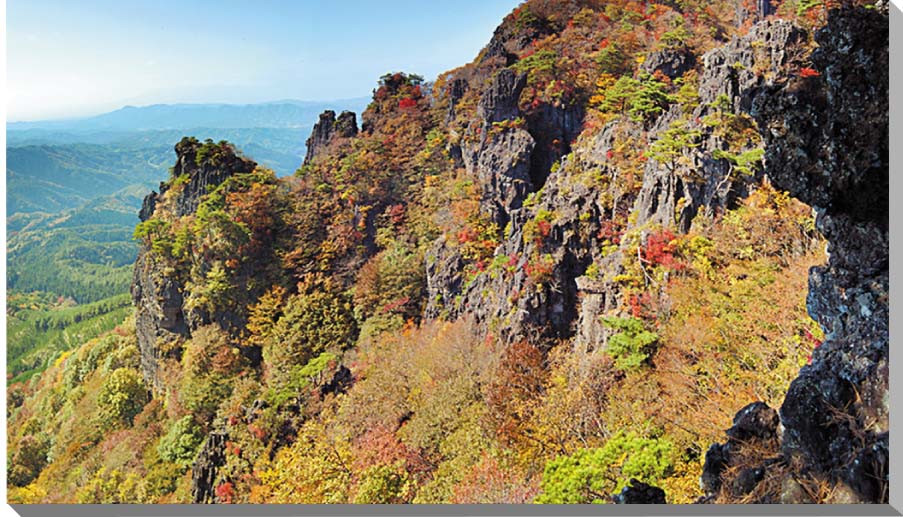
(827, 143)
(162, 320)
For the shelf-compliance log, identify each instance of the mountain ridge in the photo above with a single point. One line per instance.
(565, 272)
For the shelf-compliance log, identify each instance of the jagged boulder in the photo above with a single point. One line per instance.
(326, 129)
(671, 62)
(754, 426)
(756, 420)
(637, 492)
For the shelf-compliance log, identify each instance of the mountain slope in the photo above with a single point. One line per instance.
(560, 272)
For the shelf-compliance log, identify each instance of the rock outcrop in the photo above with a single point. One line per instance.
(826, 137)
(326, 129)
(162, 321)
(204, 471)
(827, 143)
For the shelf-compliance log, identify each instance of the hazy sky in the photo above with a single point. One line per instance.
(68, 58)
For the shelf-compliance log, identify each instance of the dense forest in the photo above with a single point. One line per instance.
(582, 268)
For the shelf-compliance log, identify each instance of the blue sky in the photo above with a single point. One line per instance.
(69, 59)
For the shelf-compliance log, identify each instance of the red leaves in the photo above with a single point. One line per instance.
(660, 251)
(609, 154)
(396, 304)
(610, 231)
(807, 72)
(225, 492)
(233, 448)
(814, 340)
(538, 271)
(407, 102)
(544, 228)
(396, 213)
(512, 261)
(642, 306)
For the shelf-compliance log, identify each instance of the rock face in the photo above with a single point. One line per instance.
(670, 62)
(515, 163)
(827, 143)
(826, 139)
(204, 471)
(328, 128)
(161, 320)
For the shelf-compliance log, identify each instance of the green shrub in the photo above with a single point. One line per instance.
(122, 396)
(592, 475)
(180, 444)
(632, 345)
(313, 321)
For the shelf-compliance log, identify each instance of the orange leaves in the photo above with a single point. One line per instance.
(515, 390)
(807, 72)
(257, 432)
(489, 482)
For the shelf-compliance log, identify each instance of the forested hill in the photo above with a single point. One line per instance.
(580, 269)
(74, 188)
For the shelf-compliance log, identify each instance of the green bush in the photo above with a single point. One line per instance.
(632, 345)
(313, 321)
(180, 444)
(122, 396)
(650, 99)
(299, 378)
(384, 484)
(592, 475)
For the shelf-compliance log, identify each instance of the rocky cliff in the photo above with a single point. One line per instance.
(327, 128)
(827, 143)
(570, 213)
(162, 319)
(825, 138)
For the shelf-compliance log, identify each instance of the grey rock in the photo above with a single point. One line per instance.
(670, 62)
(326, 129)
(204, 471)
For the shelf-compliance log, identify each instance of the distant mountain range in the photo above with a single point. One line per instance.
(278, 114)
(74, 187)
(61, 164)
